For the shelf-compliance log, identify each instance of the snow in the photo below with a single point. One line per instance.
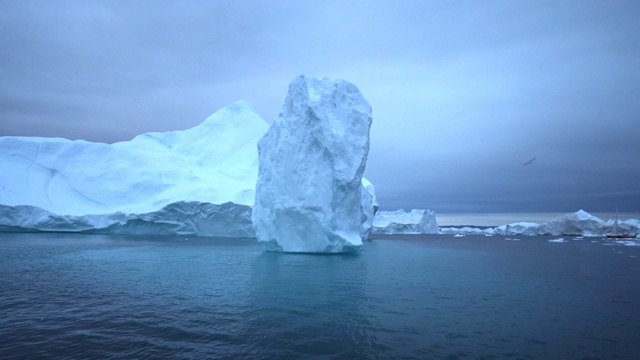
(309, 190)
(400, 222)
(198, 181)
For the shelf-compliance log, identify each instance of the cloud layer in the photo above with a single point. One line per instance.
(463, 92)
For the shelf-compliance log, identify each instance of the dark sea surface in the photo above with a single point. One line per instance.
(421, 297)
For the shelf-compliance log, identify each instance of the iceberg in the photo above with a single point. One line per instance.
(199, 181)
(369, 207)
(579, 223)
(400, 222)
(309, 193)
(465, 230)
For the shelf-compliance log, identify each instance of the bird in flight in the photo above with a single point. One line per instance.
(529, 162)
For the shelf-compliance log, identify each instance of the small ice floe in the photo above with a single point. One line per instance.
(628, 243)
(578, 238)
(458, 235)
(512, 239)
(558, 240)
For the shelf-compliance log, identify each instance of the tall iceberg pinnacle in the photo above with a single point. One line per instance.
(311, 160)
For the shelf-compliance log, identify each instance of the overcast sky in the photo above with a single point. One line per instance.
(463, 92)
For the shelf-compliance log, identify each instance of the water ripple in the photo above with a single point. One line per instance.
(413, 298)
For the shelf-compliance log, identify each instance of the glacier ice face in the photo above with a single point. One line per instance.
(178, 218)
(198, 181)
(309, 190)
(400, 222)
(578, 223)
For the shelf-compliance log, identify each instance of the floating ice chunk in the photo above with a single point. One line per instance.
(628, 243)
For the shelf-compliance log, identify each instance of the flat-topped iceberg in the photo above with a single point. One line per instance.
(198, 181)
(401, 222)
(309, 194)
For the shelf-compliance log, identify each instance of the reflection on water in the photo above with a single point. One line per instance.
(318, 298)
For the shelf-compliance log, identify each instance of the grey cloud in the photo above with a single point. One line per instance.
(463, 92)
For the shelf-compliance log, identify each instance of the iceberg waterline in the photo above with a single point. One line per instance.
(179, 218)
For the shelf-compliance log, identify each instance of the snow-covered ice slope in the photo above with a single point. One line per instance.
(309, 194)
(577, 223)
(400, 222)
(198, 181)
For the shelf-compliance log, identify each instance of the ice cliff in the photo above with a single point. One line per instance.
(198, 181)
(369, 207)
(309, 194)
(400, 222)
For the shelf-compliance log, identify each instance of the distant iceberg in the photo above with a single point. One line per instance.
(400, 222)
(580, 223)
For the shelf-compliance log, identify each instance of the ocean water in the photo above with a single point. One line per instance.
(413, 297)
